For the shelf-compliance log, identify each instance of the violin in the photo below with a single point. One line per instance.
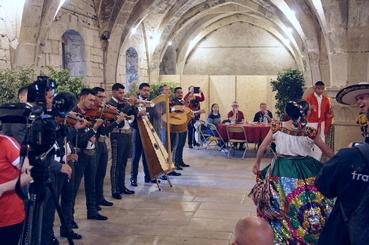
(106, 113)
(71, 119)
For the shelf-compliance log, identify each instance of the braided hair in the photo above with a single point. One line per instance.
(297, 111)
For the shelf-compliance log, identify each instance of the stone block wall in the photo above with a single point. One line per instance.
(10, 23)
(136, 41)
(79, 16)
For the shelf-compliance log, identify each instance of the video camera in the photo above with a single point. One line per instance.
(43, 104)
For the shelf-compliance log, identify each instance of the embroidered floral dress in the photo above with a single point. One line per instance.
(303, 210)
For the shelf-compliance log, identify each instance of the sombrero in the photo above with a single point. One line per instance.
(348, 95)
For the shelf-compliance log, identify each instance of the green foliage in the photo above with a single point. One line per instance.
(289, 86)
(65, 82)
(12, 80)
(133, 88)
(155, 88)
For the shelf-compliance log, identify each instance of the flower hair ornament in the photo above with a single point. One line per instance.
(297, 113)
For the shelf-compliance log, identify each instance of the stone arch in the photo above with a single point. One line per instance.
(73, 53)
(168, 62)
(131, 65)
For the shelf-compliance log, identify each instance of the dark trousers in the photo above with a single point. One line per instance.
(65, 192)
(101, 164)
(86, 167)
(10, 235)
(137, 153)
(191, 134)
(179, 141)
(120, 147)
(48, 217)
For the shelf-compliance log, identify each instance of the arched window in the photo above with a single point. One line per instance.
(131, 65)
(73, 53)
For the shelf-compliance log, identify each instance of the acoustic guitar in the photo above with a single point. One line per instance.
(178, 116)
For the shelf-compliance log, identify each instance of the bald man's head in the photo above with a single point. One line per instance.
(253, 231)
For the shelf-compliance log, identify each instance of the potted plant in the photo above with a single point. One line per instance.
(289, 86)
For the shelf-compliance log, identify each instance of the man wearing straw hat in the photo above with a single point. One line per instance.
(346, 177)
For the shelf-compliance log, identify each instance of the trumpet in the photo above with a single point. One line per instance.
(145, 103)
(134, 101)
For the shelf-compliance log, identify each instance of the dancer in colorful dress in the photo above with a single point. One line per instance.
(299, 209)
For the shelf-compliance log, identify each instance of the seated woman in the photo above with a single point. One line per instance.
(214, 116)
(297, 211)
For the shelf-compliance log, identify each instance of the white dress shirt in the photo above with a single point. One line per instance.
(319, 99)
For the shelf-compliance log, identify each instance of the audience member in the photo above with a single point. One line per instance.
(12, 211)
(193, 102)
(264, 115)
(253, 231)
(214, 116)
(235, 115)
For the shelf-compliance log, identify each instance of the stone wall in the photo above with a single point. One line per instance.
(80, 17)
(239, 49)
(10, 24)
(136, 41)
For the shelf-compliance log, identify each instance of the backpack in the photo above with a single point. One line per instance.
(358, 223)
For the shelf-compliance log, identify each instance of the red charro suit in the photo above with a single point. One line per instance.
(326, 113)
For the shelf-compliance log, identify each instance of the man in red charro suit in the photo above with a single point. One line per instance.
(320, 114)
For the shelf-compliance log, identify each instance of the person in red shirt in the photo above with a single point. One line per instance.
(12, 212)
(235, 115)
(193, 102)
(320, 116)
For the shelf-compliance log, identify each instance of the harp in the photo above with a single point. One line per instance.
(155, 137)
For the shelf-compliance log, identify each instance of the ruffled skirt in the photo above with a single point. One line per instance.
(302, 208)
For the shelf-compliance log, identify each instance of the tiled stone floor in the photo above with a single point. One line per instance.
(201, 208)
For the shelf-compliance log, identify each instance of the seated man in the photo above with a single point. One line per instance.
(252, 231)
(264, 115)
(235, 115)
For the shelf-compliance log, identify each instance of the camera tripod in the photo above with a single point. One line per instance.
(32, 229)
(39, 188)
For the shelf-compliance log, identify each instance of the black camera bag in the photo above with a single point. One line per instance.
(358, 223)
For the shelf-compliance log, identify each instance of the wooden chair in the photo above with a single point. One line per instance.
(231, 131)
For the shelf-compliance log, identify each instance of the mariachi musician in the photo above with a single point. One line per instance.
(101, 148)
(84, 140)
(120, 141)
(178, 139)
(144, 93)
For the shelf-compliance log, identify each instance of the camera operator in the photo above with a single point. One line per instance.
(346, 177)
(11, 205)
(17, 130)
(64, 182)
(56, 169)
(85, 141)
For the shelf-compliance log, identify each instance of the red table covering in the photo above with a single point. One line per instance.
(255, 132)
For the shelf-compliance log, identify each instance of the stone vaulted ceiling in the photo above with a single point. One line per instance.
(185, 23)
